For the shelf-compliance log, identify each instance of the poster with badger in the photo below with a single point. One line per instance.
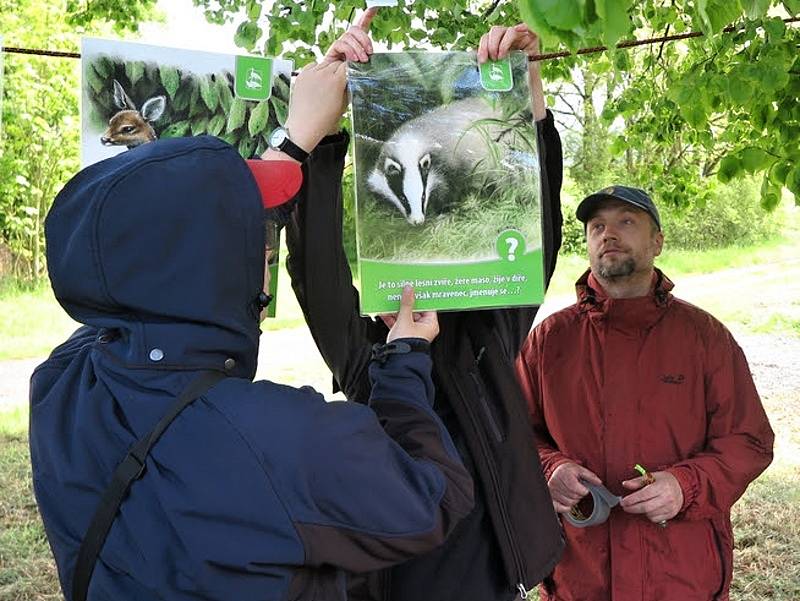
(133, 94)
(447, 182)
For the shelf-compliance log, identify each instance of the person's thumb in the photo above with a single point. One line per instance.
(588, 476)
(405, 314)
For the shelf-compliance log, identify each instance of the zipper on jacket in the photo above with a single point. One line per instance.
(484, 404)
(500, 502)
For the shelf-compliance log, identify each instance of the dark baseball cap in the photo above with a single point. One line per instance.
(633, 196)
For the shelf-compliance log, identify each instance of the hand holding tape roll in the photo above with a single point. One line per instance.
(602, 503)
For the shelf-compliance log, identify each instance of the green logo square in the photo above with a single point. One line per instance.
(496, 76)
(253, 80)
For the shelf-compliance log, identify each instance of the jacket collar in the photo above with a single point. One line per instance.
(624, 313)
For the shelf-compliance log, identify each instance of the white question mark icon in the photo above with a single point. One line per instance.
(512, 248)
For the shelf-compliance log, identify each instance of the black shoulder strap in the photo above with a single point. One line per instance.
(131, 468)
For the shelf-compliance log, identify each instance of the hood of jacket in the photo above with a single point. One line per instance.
(625, 313)
(162, 249)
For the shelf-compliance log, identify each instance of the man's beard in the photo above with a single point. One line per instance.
(620, 269)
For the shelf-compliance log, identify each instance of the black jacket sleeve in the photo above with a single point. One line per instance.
(321, 276)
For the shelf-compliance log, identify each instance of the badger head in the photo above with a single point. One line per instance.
(407, 175)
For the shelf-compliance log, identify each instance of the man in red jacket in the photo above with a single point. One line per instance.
(631, 375)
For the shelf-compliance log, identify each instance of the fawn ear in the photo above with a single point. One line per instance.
(154, 108)
(121, 99)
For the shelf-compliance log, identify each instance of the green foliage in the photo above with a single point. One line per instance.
(729, 216)
(125, 16)
(198, 103)
(724, 105)
(40, 125)
(295, 29)
(39, 128)
(578, 22)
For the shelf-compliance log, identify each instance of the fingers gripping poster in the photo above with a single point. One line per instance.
(134, 94)
(448, 193)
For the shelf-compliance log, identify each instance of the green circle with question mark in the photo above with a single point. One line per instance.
(510, 245)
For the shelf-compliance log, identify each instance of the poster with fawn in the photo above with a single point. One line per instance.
(134, 94)
(447, 182)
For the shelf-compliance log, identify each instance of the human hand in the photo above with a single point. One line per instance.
(354, 44)
(565, 485)
(315, 105)
(660, 501)
(408, 324)
(389, 319)
(500, 41)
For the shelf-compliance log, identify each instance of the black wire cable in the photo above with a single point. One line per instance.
(536, 58)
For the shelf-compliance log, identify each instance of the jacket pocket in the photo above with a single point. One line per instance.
(683, 561)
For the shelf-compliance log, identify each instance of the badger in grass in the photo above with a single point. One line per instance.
(431, 160)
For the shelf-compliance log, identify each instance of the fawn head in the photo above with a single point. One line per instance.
(131, 127)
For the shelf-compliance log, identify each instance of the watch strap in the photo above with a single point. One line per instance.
(293, 150)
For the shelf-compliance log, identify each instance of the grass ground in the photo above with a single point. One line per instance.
(766, 524)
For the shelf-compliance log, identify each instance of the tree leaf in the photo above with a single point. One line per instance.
(209, 93)
(778, 172)
(793, 181)
(616, 21)
(755, 9)
(216, 124)
(281, 109)
(792, 6)
(755, 159)
(246, 147)
(134, 70)
(176, 130)
(729, 167)
(170, 79)
(259, 118)
(224, 91)
(247, 34)
(236, 116)
(200, 125)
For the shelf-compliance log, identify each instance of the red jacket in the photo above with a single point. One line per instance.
(656, 381)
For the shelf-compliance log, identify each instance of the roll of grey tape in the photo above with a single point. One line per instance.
(603, 502)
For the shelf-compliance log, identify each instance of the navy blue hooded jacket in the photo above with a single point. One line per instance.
(256, 490)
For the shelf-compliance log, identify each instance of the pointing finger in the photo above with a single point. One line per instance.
(366, 17)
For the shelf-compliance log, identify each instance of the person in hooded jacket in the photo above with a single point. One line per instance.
(253, 491)
(512, 538)
(630, 375)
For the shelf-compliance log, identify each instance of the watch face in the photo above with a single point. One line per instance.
(277, 137)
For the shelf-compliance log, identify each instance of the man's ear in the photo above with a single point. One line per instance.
(659, 242)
